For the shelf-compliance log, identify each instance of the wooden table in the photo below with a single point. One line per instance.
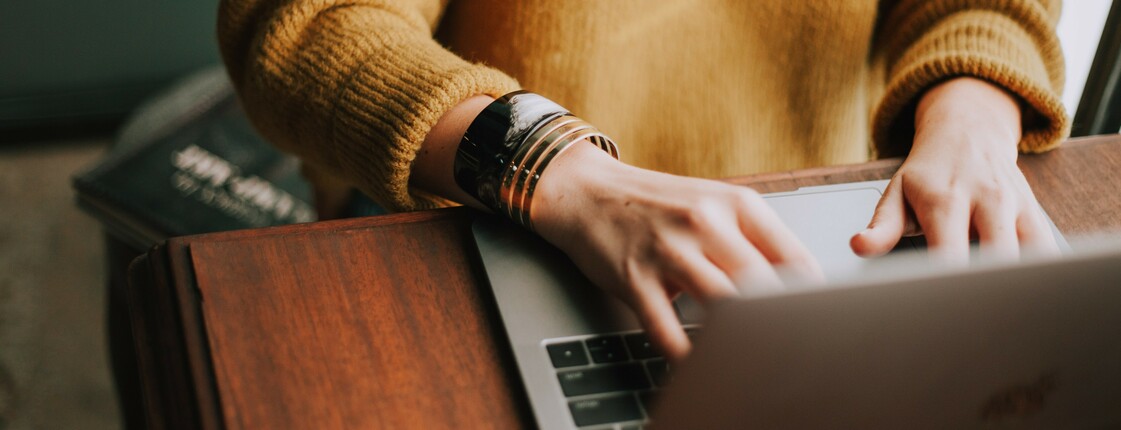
(386, 322)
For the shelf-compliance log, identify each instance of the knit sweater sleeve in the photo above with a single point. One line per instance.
(351, 86)
(1010, 43)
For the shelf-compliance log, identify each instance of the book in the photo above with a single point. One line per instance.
(190, 162)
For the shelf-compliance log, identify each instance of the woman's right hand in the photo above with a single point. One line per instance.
(642, 235)
(646, 236)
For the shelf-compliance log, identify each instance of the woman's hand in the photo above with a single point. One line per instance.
(642, 235)
(646, 236)
(961, 180)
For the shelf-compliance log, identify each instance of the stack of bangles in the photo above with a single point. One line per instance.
(509, 145)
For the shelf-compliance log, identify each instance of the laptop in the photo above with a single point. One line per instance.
(585, 362)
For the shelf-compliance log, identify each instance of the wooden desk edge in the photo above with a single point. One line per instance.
(171, 336)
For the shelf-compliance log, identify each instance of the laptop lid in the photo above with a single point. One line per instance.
(1033, 345)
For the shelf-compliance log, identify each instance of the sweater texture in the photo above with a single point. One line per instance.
(707, 88)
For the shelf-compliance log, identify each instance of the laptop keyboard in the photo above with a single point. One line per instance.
(609, 380)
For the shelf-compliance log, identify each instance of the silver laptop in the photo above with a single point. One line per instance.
(586, 363)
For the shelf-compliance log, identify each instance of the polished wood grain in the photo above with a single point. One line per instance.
(1079, 185)
(371, 328)
(386, 322)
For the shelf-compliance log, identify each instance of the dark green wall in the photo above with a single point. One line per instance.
(80, 61)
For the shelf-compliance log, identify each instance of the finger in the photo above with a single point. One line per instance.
(730, 250)
(887, 224)
(747, 270)
(656, 313)
(758, 280)
(995, 222)
(1036, 236)
(700, 277)
(774, 241)
(756, 276)
(946, 224)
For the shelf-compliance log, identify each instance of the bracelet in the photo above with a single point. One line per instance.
(533, 176)
(516, 172)
(518, 193)
(508, 146)
(493, 137)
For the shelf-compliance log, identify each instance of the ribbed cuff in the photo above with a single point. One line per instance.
(383, 116)
(986, 45)
(373, 86)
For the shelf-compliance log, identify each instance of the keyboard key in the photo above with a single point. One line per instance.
(905, 244)
(631, 427)
(605, 410)
(659, 371)
(567, 354)
(919, 242)
(640, 346)
(689, 311)
(607, 349)
(647, 398)
(606, 379)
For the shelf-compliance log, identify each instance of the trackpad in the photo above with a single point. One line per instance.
(825, 221)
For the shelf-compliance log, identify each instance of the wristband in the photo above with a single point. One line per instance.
(493, 137)
(509, 145)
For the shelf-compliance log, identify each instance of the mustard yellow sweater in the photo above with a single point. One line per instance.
(709, 88)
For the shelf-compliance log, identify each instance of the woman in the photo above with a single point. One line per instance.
(379, 94)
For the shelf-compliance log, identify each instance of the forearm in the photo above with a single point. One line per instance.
(352, 87)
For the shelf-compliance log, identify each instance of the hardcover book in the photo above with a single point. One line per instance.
(191, 163)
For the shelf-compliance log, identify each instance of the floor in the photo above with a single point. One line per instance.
(54, 367)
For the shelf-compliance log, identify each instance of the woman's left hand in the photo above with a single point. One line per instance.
(961, 180)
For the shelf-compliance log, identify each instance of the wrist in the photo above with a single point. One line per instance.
(970, 112)
(575, 178)
(432, 168)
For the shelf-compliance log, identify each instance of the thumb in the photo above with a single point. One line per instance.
(887, 225)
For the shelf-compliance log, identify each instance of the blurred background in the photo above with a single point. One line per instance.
(70, 74)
